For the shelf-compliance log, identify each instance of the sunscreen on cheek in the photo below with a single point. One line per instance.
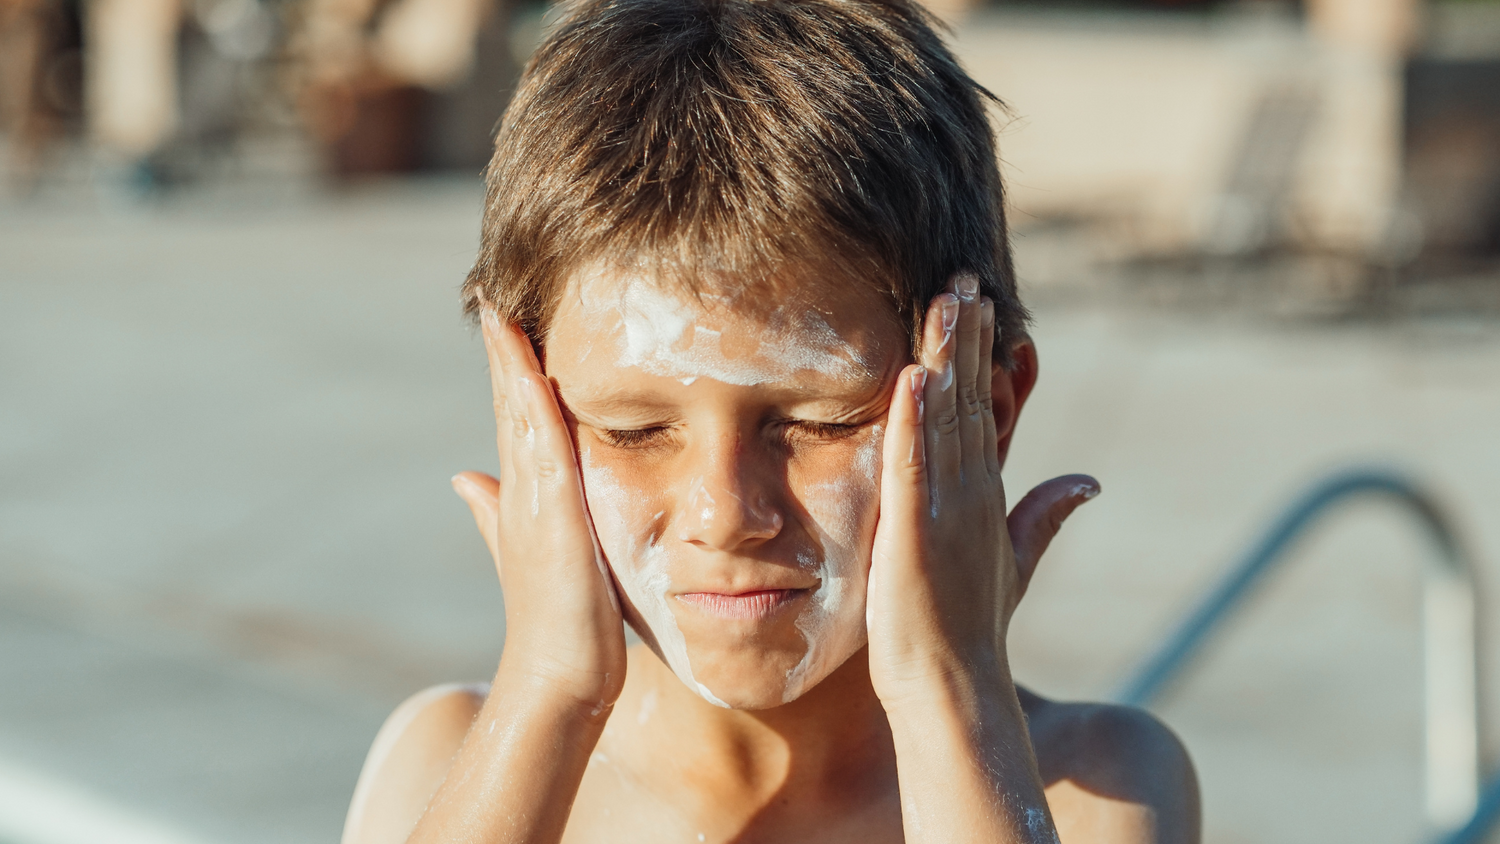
(833, 624)
(629, 538)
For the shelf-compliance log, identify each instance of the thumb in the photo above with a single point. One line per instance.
(1037, 518)
(482, 493)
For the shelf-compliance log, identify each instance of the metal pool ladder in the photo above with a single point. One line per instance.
(1451, 698)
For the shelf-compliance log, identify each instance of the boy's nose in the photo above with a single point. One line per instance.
(725, 510)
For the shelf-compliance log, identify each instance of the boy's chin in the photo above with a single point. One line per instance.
(754, 679)
(758, 673)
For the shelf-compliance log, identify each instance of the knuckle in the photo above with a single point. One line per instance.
(548, 469)
(916, 461)
(913, 472)
(968, 395)
(945, 422)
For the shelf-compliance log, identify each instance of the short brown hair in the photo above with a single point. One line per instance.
(713, 141)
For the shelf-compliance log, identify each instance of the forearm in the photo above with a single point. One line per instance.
(965, 763)
(518, 771)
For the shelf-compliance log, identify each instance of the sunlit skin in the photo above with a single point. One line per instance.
(920, 735)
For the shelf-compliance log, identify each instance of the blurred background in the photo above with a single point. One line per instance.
(1262, 240)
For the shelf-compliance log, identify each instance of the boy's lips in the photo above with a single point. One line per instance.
(752, 605)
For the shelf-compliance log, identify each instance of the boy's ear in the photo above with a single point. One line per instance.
(1010, 388)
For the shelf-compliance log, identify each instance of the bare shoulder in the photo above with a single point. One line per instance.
(408, 761)
(1114, 774)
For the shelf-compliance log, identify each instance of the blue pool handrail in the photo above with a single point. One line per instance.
(1450, 658)
(1484, 817)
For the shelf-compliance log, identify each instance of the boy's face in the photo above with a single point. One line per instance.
(731, 463)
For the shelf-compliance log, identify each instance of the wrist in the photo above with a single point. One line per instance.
(538, 687)
(962, 687)
(961, 714)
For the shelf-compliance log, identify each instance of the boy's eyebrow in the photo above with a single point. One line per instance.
(867, 392)
(612, 402)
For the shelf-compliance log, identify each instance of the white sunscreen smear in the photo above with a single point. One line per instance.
(639, 561)
(648, 706)
(661, 335)
(834, 623)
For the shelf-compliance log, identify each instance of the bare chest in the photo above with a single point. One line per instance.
(616, 807)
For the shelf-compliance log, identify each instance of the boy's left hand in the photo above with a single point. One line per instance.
(948, 568)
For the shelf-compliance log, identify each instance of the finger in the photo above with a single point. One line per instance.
(1036, 519)
(515, 359)
(542, 447)
(904, 457)
(903, 481)
(940, 416)
(540, 432)
(534, 464)
(482, 493)
(556, 476)
(967, 370)
(490, 326)
(989, 440)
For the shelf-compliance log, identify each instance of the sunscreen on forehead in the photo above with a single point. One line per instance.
(664, 334)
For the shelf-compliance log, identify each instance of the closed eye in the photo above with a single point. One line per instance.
(633, 437)
(796, 430)
(810, 430)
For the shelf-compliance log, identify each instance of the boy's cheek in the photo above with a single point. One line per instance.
(841, 496)
(625, 522)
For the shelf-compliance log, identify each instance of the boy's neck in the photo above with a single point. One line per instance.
(832, 743)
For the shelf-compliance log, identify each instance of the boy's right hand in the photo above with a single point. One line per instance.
(564, 632)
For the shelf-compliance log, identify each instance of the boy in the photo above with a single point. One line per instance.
(757, 357)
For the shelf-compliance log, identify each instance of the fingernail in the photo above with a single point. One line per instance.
(949, 314)
(968, 287)
(490, 319)
(919, 391)
(986, 313)
(458, 480)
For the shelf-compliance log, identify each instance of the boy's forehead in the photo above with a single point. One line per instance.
(637, 311)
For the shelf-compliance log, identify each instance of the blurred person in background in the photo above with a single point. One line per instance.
(166, 82)
(406, 84)
(40, 82)
(164, 89)
(132, 78)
